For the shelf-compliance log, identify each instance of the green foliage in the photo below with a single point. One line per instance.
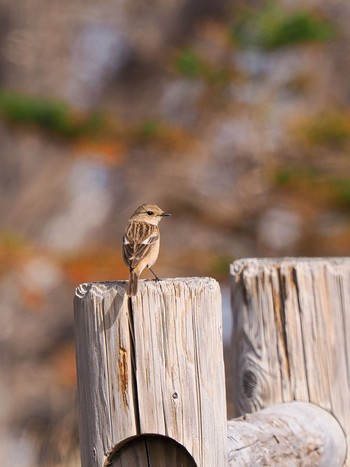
(94, 128)
(315, 185)
(46, 114)
(149, 129)
(221, 266)
(10, 241)
(341, 190)
(288, 175)
(328, 129)
(271, 26)
(189, 64)
(283, 176)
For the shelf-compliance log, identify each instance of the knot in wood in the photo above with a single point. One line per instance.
(250, 382)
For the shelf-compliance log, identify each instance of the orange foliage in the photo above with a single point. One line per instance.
(337, 243)
(110, 153)
(99, 265)
(63, 360)
(14, 252)
(33, 300)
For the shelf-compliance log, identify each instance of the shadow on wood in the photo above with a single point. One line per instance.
(151, 450)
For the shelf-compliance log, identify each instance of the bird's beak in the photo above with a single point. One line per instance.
(166, 214)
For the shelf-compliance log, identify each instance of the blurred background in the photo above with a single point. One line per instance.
(232, 115)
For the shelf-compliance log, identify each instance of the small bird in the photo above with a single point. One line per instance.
(141, 242)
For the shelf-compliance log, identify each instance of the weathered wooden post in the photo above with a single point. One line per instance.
(150, 374)
(291, 338)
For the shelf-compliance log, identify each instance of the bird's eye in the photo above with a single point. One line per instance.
(150, 213)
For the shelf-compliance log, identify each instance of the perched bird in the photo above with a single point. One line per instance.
(141, 242)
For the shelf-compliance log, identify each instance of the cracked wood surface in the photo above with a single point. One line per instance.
(291, 334)
(151, 365)
(292, 434)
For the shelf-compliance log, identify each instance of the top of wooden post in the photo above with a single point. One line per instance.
(255, 263)
(147, 286)
(151, 364)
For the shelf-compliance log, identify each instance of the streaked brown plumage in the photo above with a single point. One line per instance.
(141, 242)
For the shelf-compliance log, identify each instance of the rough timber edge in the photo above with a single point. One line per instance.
(239, 265)
(100, 288)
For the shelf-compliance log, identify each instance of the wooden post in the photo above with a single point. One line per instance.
(293, 434)
(291, 338)
(151, 365)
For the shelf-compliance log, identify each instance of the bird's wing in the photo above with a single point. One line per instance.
(137, 241)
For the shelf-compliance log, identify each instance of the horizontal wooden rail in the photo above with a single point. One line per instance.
(293, 434)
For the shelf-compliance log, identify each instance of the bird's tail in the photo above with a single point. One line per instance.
(132, 285)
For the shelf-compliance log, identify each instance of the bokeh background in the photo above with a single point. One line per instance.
(232, 115)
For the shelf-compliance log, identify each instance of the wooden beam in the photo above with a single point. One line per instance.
(291, 336)
(293, 434)
(152, 364)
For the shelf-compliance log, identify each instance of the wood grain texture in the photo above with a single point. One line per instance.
(291, 334)
(151, 365)
(155, 451)
(292, 434)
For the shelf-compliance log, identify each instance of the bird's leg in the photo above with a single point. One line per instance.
(155, 275)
